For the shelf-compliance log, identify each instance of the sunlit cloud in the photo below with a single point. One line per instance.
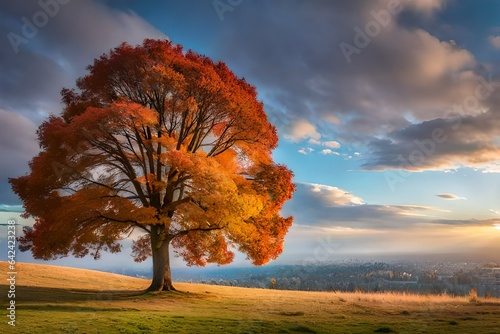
(405, 73)
(491, 168)
(450, 196)
(333, 207)
(333, 196)
(301, 129)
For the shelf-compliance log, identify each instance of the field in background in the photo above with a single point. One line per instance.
(51, 299)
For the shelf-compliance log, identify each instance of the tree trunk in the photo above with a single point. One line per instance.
(162, 278)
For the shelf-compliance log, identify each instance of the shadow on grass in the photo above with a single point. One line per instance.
(29, 295)
(69, 308)
(58, 295)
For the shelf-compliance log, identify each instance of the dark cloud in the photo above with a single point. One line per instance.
(50, 57)
(397, 89)
(37, 61)
(297, 55)
(469, 141)
(17, 147)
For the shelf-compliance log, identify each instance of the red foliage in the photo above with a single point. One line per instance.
(157, 137)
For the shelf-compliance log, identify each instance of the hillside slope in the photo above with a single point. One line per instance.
(51, 299)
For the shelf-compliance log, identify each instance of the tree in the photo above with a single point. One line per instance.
(163, 145)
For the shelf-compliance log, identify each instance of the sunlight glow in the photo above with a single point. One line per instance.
(496, 226)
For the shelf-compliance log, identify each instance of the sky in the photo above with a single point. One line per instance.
(387, 111)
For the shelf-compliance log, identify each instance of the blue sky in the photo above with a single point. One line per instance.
(387, 111)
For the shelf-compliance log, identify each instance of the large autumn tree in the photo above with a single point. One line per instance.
(164, 146)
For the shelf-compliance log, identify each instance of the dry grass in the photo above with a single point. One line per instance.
(35, 275)
(53, 299)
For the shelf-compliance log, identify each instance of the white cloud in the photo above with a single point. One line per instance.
(314, 142)
(328, 151)
(333, 196)
(491, 168)
(494, 41)
(306, 150)
(330, 144)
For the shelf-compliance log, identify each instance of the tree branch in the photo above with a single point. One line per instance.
(215, 228)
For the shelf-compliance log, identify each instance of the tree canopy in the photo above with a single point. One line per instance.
(162, 145)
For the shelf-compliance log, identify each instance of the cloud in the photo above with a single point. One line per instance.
(328, 151)
(450, 196)
(317, 243)
(58, 53)
(495, 211)
(306, 150)
(403, 84)
(300, 130)
(49, 59)
(11, 208)
(331, 216)
(17, 146)
(439, 144)
(333, 207)
(493, 167)
(426, 7)
(332, 196)
(468, 222)
(332, 144)
(332, 119)
(494, 41)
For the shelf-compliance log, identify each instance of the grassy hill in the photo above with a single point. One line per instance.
(51, 299)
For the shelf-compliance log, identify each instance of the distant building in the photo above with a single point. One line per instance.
(489, 276)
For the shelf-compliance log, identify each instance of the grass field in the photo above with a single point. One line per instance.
(51, 299)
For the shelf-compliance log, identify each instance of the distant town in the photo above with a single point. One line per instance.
(452, 278)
